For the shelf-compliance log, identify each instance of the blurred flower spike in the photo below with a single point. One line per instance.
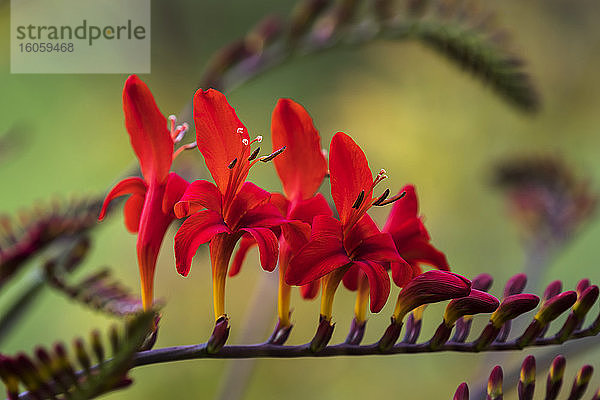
(149, 209)
(223, 212)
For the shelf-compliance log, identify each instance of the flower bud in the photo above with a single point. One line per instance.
(475, 303)
(515, 285)
(356, 333)
(555, 377)
(219, 335)
(97, 347)
(323, 335)
(482, 282)
(553, 288)
(526, 385)
(9, 377)
(554, 307)
(494, 387)
(581, 382)
(582, 285)
(582, 306)
(596, 395)
(513, 306)
(462, 392)
(430, 287)
(82, 355)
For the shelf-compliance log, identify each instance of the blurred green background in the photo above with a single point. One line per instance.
(414, 114)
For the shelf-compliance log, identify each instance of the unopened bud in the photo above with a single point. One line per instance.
(513, 306)
(515, 285)
(554, 307)
(581, 307)
(97, 347)
(494, 387)
(9, 377)
(526, 385)
(323, 335)
(581, 382)
(553, 288)
(430, 287)
(462, 392)
(475, 303)
(555, 377)
(82, 355)
(582, 285)
(482, 282)
(219, 335)
(596, 395)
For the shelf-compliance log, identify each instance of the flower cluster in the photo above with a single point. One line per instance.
(314, 245)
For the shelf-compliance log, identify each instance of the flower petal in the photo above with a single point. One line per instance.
(291, 126)
(364, 228)
(176, 187)
(296, 234)
(350, 174)
(196, 230)
(147, 127)
(265, 216)
(133, 185)
(219, 134)
(133, 212)
(249, 196)
(405, 208)
(306, 210)
(268, 246)
(321, 255)
(351, 277)
(199, 194)
(419, 251)
(310, 290)
(279, 201)
(403, 272)
(246, 244)
(379, 284)
(379, 247)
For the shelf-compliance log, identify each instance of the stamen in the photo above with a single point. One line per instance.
(245, 142)
(254, 154)
(380, 176)
(171, 123)
(273, 155)
(180, 150)
(391, 199)
(381, 198)
(257, 139)
(359, 200)
(180, 131)
(232, 163)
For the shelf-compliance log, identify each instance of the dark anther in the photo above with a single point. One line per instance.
(254, 154)
(391, 199)
(359, 199)
(382, 198)
(273, 155)
(232, 163)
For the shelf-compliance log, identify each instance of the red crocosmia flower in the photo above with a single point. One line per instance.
(221, 214)
(352, 242)
(292, 127)
(149, 209)
(411, 239)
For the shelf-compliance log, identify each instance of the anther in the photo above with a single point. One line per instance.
(272, 155)
(254, 154)
(257, 139)
(391, 199)
(382, 198)
(232, 163)
(359, 199)
(245, 142)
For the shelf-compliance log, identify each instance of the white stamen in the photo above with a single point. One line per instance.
(259, 139)
(245, 141)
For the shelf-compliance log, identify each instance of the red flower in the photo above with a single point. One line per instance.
(411, 239)
(353, 242)
(148, 211)
(222, 213)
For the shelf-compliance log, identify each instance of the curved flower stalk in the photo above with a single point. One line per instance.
(352, 243)
(223, 212)
(293, 128)
(149, 209)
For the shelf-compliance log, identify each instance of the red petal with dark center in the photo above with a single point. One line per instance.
(132, 185)
(350, 174)
(176, 187)
(219, 134)
(291, 126)
(246, 244)
(379, 283)
(249, 197)
(147, 127)
(268, 246)
(199, 195)
(133, 211)
(196, 230)
(363, 229)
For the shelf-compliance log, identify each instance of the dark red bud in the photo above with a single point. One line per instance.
(526, 385)
(586, 300)
(555, 377)
(513, 306)
(582, 285)
(462, 392)
(494, 388)
(483, 282)
(515, 285)
(553, 288)
(475, 303)
(219, 335)
(554, 307)
(581, 382)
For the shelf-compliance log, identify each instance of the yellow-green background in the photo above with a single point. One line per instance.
(414, 114)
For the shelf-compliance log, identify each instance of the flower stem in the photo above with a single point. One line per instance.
(221, 248)
(331, 282)
(362, 297)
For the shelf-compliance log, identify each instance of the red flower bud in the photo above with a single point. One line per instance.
(526, 385)
(515, 285)
(494, 388)
(513, 306)
(475, 303)
(554, 288)
(462, 392)
(554, 307)
(555, 377)
(581, 382)
(430, 287)
(482, 282)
